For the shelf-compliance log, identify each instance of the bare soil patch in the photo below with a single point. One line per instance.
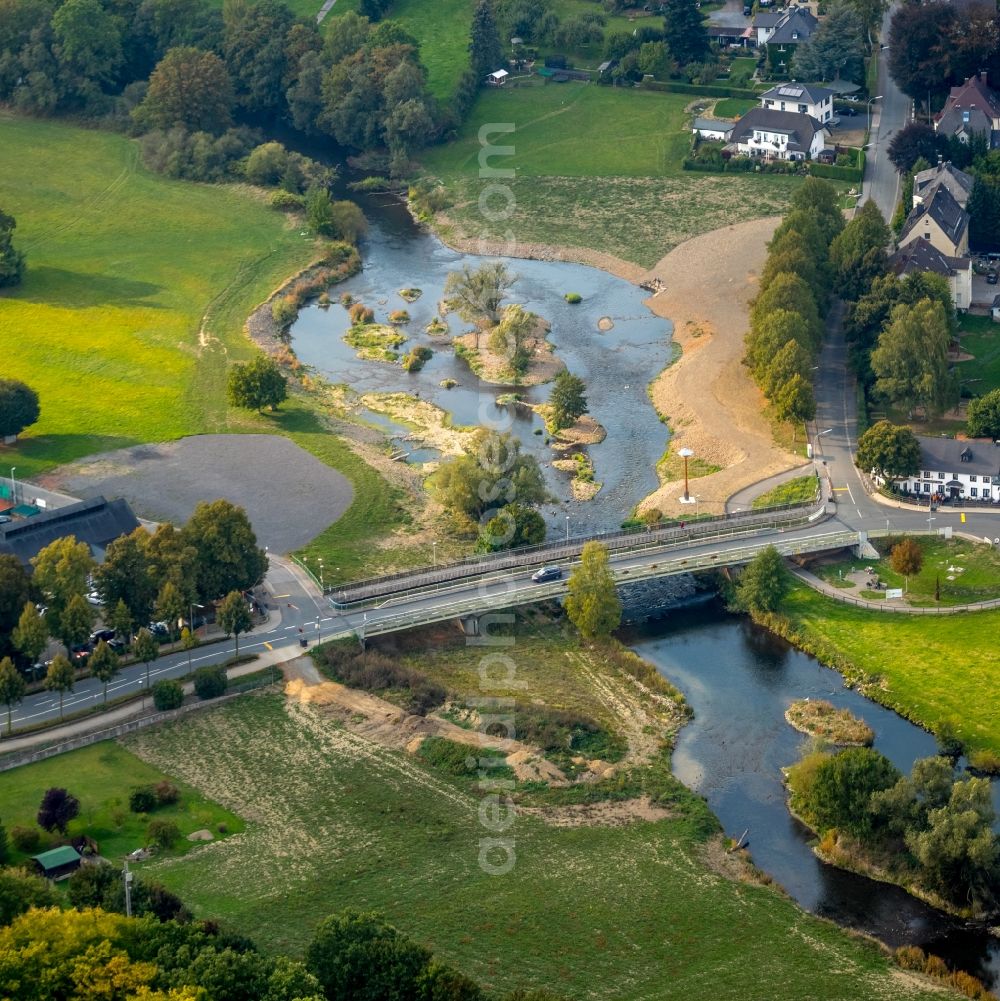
(707, 395)
(607, 814)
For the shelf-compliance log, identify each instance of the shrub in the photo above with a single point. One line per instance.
(284, 311)
(210, 682)
(910, 957)
(167, 695)
(166, 792)
(573, 298)
(416, 358)
(142, 799)
(25, 839)
(985, 761)
(936, 967)
(399, 316)
(969, 985)
(222, 827)
(287, 201)
(346, 299)
(162, 833)
(360, 314)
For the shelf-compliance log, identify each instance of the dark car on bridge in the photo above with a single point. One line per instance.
(546, 573)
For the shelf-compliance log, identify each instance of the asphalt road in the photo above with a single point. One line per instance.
(882, 181)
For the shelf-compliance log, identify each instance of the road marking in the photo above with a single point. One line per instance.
(268, 645)
(963, 519)
(282, 595)
(840, 490)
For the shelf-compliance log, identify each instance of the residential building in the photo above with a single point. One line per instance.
(778, 135)
(971, 108)
(920, 256)
(781, 38)
(712, 128)
(940, 220)
(926, 182)
(802, 98)
(954, 469)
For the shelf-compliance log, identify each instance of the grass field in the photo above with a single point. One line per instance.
(981, 339)
(930, 669)
(122, 268)
(964, 571)
(101, 777)
(733, 107)
(596, 167)
(591, 911)
(801, 490)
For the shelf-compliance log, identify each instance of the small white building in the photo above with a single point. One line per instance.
(778, 135)
(801, 98)
(712, 128)
(497, 78)
(953, 469)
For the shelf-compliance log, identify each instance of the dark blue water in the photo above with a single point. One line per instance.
(739, 680)
(617, 365)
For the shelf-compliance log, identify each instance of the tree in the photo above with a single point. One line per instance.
(819, 200)
(842, 789)
(104, 665)
(190, 88)
(791, 293)
(919, 57)
(567, 400)
(256, 384)
(509, 337)
(769, 335)
(20, 891)
(75, 622)
(58, 808)
(889, 450)
(12, 687)
(485, 53)
(60, 678)
(18, 402)
(835, 49)
(858, 254)
(171, 606)
(234, 617)
(188, 642)
(11, 271)
(124, 576)
(763, 583)
(914, 141)
(122, 621)
(15, 590)
(61, 572)
(592, 603)
(347, 221)
(88, 41)
(790, 360)
(227, 555)
(984, 213)
(319, 211)
(514, 525)
(167, 695)
(684, 31)
(476, 295)
(254, 50)
(906, 558)
(911, 360)
(492, 474)
(210, 682)
(983, 416)
(31, 635)
(146, 650)
(357, 955)
(794, 401)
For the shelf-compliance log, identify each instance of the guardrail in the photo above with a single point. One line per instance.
(429, 578)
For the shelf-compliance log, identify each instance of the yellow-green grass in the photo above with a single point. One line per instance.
(932, 669)
(101, 777)
(981, 339)
(597, 168)
(441, 27)
(123, 267)
(733, 107)
(801, 490)
(961, 570)
(592, 912)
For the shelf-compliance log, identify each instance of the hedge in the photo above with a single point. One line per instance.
(834, 173)
(708, 90)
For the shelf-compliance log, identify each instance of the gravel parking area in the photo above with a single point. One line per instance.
(289, 495)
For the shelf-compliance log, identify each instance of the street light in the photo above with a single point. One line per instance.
(321, 587)
(13, 487)
(434, 546)
(877, 97)
(685, 454)
(194, 605)
(567, 528)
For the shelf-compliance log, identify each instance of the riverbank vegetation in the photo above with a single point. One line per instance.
(924, 684)
(633, 842)
(821, 719)
(931, 832)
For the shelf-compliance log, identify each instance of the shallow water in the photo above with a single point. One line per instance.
(617, 366)
(739, 680)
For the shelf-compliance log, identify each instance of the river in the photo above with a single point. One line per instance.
(616, 365)
(739, 680)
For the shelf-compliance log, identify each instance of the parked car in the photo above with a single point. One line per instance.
(102, 634)
(5, 519)
(117, 645)
(991, 278)
(546, 573)
(79, 653)
(159, 629)
(94, 598)
(747, 9)
(847, 112)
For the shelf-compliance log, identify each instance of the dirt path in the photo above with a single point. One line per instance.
(707, 395)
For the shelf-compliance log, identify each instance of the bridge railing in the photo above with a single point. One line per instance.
(706, 530)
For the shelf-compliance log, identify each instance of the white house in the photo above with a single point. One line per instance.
(778, 135)
(956, 470)
(712, 128)
(801, 98)
(921, 255)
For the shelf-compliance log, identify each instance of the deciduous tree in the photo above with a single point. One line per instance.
(794, 401)
(835, 49)
(88, 40)
(18, 402)
(763, 583)
(568, 400)
(791, 293)
(234, 617)
(858, 254)
(983, 416)
(189, 87)
(61, 572)
(906, 557)
(889, 450)
(11, 273)
(257, 384)
(984, 213)
(60, 678)
(145, 650)
(819, 200)
(58, 808)
(75, 622)
(171, 606)
(914, 141)
(592, 603)
(476, 295)
(31, 634)
(125, 576)
(513, 525)
(228, 557)
(104, 666)
(15, 590)
(20, 891)
(12, 687)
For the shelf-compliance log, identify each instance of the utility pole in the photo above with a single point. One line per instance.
(128, 876)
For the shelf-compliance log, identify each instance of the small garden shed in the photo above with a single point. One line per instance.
(58, 862)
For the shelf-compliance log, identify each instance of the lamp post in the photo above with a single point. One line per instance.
(567, 528)
(194, 605)
(685, 454)
(434, 547)
(13, 488)
(877, 97)
(321, 584)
